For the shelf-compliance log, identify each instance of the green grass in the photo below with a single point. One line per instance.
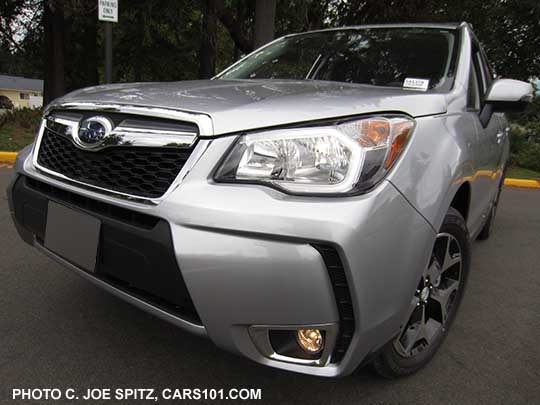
(12, 139)
(521, 173)
(18, 128)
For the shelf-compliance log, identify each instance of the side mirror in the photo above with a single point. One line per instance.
(509, 95)
(506, 95)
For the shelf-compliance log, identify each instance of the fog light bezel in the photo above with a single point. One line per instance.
(260, 335)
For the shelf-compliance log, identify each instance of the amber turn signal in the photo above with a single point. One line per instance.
(401, 135)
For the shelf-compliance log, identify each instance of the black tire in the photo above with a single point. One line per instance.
(392, 362)
(488, 226)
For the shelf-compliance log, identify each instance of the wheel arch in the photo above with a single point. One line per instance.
(462, 199)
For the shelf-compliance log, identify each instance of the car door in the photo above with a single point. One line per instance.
(501, 139)
(487, 151)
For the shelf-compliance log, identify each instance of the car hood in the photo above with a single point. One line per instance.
(237, 105)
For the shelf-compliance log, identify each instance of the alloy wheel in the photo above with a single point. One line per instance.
(432, 305)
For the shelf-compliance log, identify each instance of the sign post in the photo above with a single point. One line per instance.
(108, 12)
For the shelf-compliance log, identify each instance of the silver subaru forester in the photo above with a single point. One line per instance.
(311, 208)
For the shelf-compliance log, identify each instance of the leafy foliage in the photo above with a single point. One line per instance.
(508, 29)
(160, 39)
(525, 145)
(21, 36)
(18, 128)
(163, 38)
(525, 137)
(5, 103)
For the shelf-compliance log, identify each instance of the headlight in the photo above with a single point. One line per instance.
(352, 156)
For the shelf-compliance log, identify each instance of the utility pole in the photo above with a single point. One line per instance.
(108, 12)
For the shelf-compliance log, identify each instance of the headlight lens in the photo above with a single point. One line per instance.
(330, 159)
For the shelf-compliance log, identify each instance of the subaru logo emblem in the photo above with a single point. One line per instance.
(92, 132)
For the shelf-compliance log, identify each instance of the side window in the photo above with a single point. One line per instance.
(487, 70)
(473, 94)
(480, 76)
(480, 73)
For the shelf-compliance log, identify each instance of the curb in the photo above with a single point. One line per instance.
(9, 157)
(522, 183)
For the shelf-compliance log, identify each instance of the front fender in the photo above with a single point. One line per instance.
(437, 161)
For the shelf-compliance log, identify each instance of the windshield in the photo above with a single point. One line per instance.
(421, 58)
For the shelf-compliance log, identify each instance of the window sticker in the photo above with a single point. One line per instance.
(415, 83)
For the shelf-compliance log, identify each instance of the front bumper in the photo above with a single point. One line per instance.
(251, 256)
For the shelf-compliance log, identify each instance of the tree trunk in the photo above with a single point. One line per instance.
(90, 50)
(207, 55)
(140, 51)
(53, 21)
(265, 15)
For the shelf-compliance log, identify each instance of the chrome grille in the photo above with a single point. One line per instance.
(142, 157)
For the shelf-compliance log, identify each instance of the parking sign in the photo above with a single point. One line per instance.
(108, 10)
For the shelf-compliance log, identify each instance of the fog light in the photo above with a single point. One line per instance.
(310, 340)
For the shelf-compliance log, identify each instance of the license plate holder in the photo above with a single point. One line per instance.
(73, 235)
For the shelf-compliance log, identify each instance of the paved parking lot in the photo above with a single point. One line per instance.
(57, 330)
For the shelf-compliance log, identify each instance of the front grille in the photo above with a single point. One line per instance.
(139, 171)
(342, 295)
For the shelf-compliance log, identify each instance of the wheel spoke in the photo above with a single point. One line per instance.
(413, 334)
(431, 328)
(434, 272)
(442, 295)
(450, 259)
(412, 308)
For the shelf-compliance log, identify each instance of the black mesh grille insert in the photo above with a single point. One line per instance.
(343, 299)
(145, 172)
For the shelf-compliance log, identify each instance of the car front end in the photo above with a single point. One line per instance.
(258, 213)
(245, 264)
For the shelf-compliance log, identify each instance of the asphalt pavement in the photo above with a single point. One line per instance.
(59, 331)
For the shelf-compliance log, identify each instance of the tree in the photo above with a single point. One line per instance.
(509, 29)
(5, 103)
(53, 22)
(207, 56)
(158, 40)
(21, 57)
(251, 24)
(10, 10)
(81, 38)
(265, 16)
(235, 23)
(302, 15)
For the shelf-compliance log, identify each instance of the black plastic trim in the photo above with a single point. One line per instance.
(124, 215)
(343, 299)
(134, 255)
